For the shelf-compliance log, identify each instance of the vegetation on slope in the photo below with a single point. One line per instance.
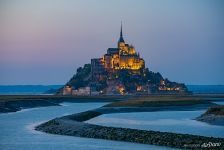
(81, 78)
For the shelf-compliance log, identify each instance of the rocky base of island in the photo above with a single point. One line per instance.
(74, 125)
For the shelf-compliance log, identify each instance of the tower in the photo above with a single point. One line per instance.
(121, 42)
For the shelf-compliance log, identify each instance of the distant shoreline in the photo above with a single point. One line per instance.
(13, 103)
(48, 89)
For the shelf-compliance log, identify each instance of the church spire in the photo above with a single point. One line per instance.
(121, 35)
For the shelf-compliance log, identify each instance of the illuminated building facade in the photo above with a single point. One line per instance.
(122, 57)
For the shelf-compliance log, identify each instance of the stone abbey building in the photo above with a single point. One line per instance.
(122, 57)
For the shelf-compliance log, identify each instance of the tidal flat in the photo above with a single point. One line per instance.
(75, 125)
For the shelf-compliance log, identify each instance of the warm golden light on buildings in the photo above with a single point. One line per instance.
(122, 57)
(139, 88)
(120, 71)
(121, 89)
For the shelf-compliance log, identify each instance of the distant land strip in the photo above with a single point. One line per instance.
(13, 103)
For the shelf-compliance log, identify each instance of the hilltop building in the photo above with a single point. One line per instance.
(120, 71)
(122, 57)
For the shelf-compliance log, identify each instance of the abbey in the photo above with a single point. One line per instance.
(122, 57)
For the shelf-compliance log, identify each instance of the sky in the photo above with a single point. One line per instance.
(45, 41)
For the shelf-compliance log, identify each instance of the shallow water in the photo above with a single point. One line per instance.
(219, 102)
(16, 131)
(167, 121)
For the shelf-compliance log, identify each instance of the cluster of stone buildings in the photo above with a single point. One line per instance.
(68, 90)
(123, 57)
(163, 87)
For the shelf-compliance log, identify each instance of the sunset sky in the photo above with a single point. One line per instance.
(44, 41)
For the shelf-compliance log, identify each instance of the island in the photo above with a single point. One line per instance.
(121, 71)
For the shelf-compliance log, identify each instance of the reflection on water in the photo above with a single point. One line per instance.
(16, 131)
(169, 121)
